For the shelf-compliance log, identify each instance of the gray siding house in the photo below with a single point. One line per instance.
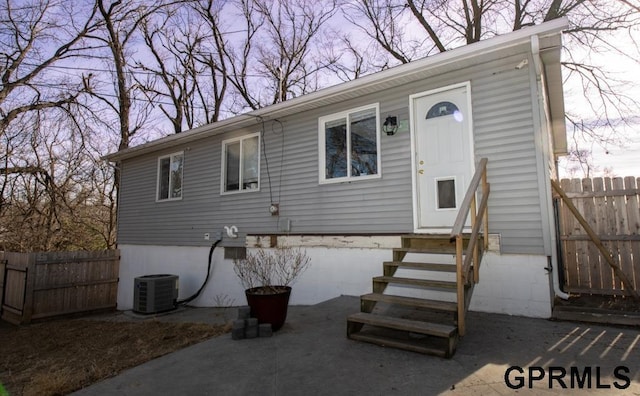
(320, 171)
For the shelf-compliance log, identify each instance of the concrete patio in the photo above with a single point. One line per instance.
(311, 355)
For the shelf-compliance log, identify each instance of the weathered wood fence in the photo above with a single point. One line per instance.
(42, 285)
(611, 208)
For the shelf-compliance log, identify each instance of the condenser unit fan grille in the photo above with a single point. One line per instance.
(155, 293)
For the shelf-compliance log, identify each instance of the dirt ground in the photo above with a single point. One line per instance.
(58, 357)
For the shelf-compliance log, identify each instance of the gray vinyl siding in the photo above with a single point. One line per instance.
(503, 132)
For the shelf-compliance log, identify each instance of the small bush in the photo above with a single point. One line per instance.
(273, 267)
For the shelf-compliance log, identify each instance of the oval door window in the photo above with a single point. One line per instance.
(442, 109)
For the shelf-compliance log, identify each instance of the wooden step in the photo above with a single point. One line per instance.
(421, 266)
(440, 249)
(434, 237)
(401, 344)
(410, 302)
(425, 283)
(444, 236)
(413, 326)
(432, 242)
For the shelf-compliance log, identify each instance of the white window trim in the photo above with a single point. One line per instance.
(223, 166)
(169, 198)
(322, 147)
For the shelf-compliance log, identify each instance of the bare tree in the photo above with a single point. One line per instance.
(36, 35)
(120, 23)
(171, 76)
(211, 56)
(39, 40)
(49, 188)
(272, 56)
(383, 22)
(237, 54)
(120, 95)
(286, 58)
(439, 25)
(352, 58)
(185, 74)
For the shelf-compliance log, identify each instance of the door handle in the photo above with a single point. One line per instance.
(421, 171)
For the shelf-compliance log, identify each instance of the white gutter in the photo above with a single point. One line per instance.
(539, 70)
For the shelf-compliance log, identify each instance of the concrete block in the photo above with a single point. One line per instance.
(243, 312)
(251, 332)
(237, 334)
(237, 330)
(238, 324)
(264, 330)
(251, 322)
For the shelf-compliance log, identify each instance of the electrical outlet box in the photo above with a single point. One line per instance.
(284, 224)
(494, 243)
(206, 236)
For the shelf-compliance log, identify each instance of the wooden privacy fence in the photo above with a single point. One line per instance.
(611, 208)
(44, 285)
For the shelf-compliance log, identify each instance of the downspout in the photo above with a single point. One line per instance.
(537, 62)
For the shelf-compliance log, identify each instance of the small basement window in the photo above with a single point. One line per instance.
(235, 253)
(241, 164)
(170, 177)
(350, 145)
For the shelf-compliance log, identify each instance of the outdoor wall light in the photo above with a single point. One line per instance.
(390, 126)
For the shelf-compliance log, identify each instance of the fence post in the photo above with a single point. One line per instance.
(30, 281)
(3, 266)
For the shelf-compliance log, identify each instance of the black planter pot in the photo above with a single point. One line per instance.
(269, 304)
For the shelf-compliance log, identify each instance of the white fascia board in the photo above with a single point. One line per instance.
(338, 92)
(235, 122)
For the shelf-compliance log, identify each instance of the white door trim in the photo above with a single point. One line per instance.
(412, 118)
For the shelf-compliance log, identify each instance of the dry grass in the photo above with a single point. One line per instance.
(56, 358)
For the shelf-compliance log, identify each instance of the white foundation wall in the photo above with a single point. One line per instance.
(333, 272)
(509, 284)
(513, 284)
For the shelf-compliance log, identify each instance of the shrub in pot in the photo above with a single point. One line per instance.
(266, 275)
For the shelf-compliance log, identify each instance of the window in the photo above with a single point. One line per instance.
(170, 177)
(446, 193)
(350, 145)
(442, 109)
(241, 164)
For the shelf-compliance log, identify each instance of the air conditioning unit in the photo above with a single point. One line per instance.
(155, 293)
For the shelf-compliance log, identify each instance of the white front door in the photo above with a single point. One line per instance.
(442, 156)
